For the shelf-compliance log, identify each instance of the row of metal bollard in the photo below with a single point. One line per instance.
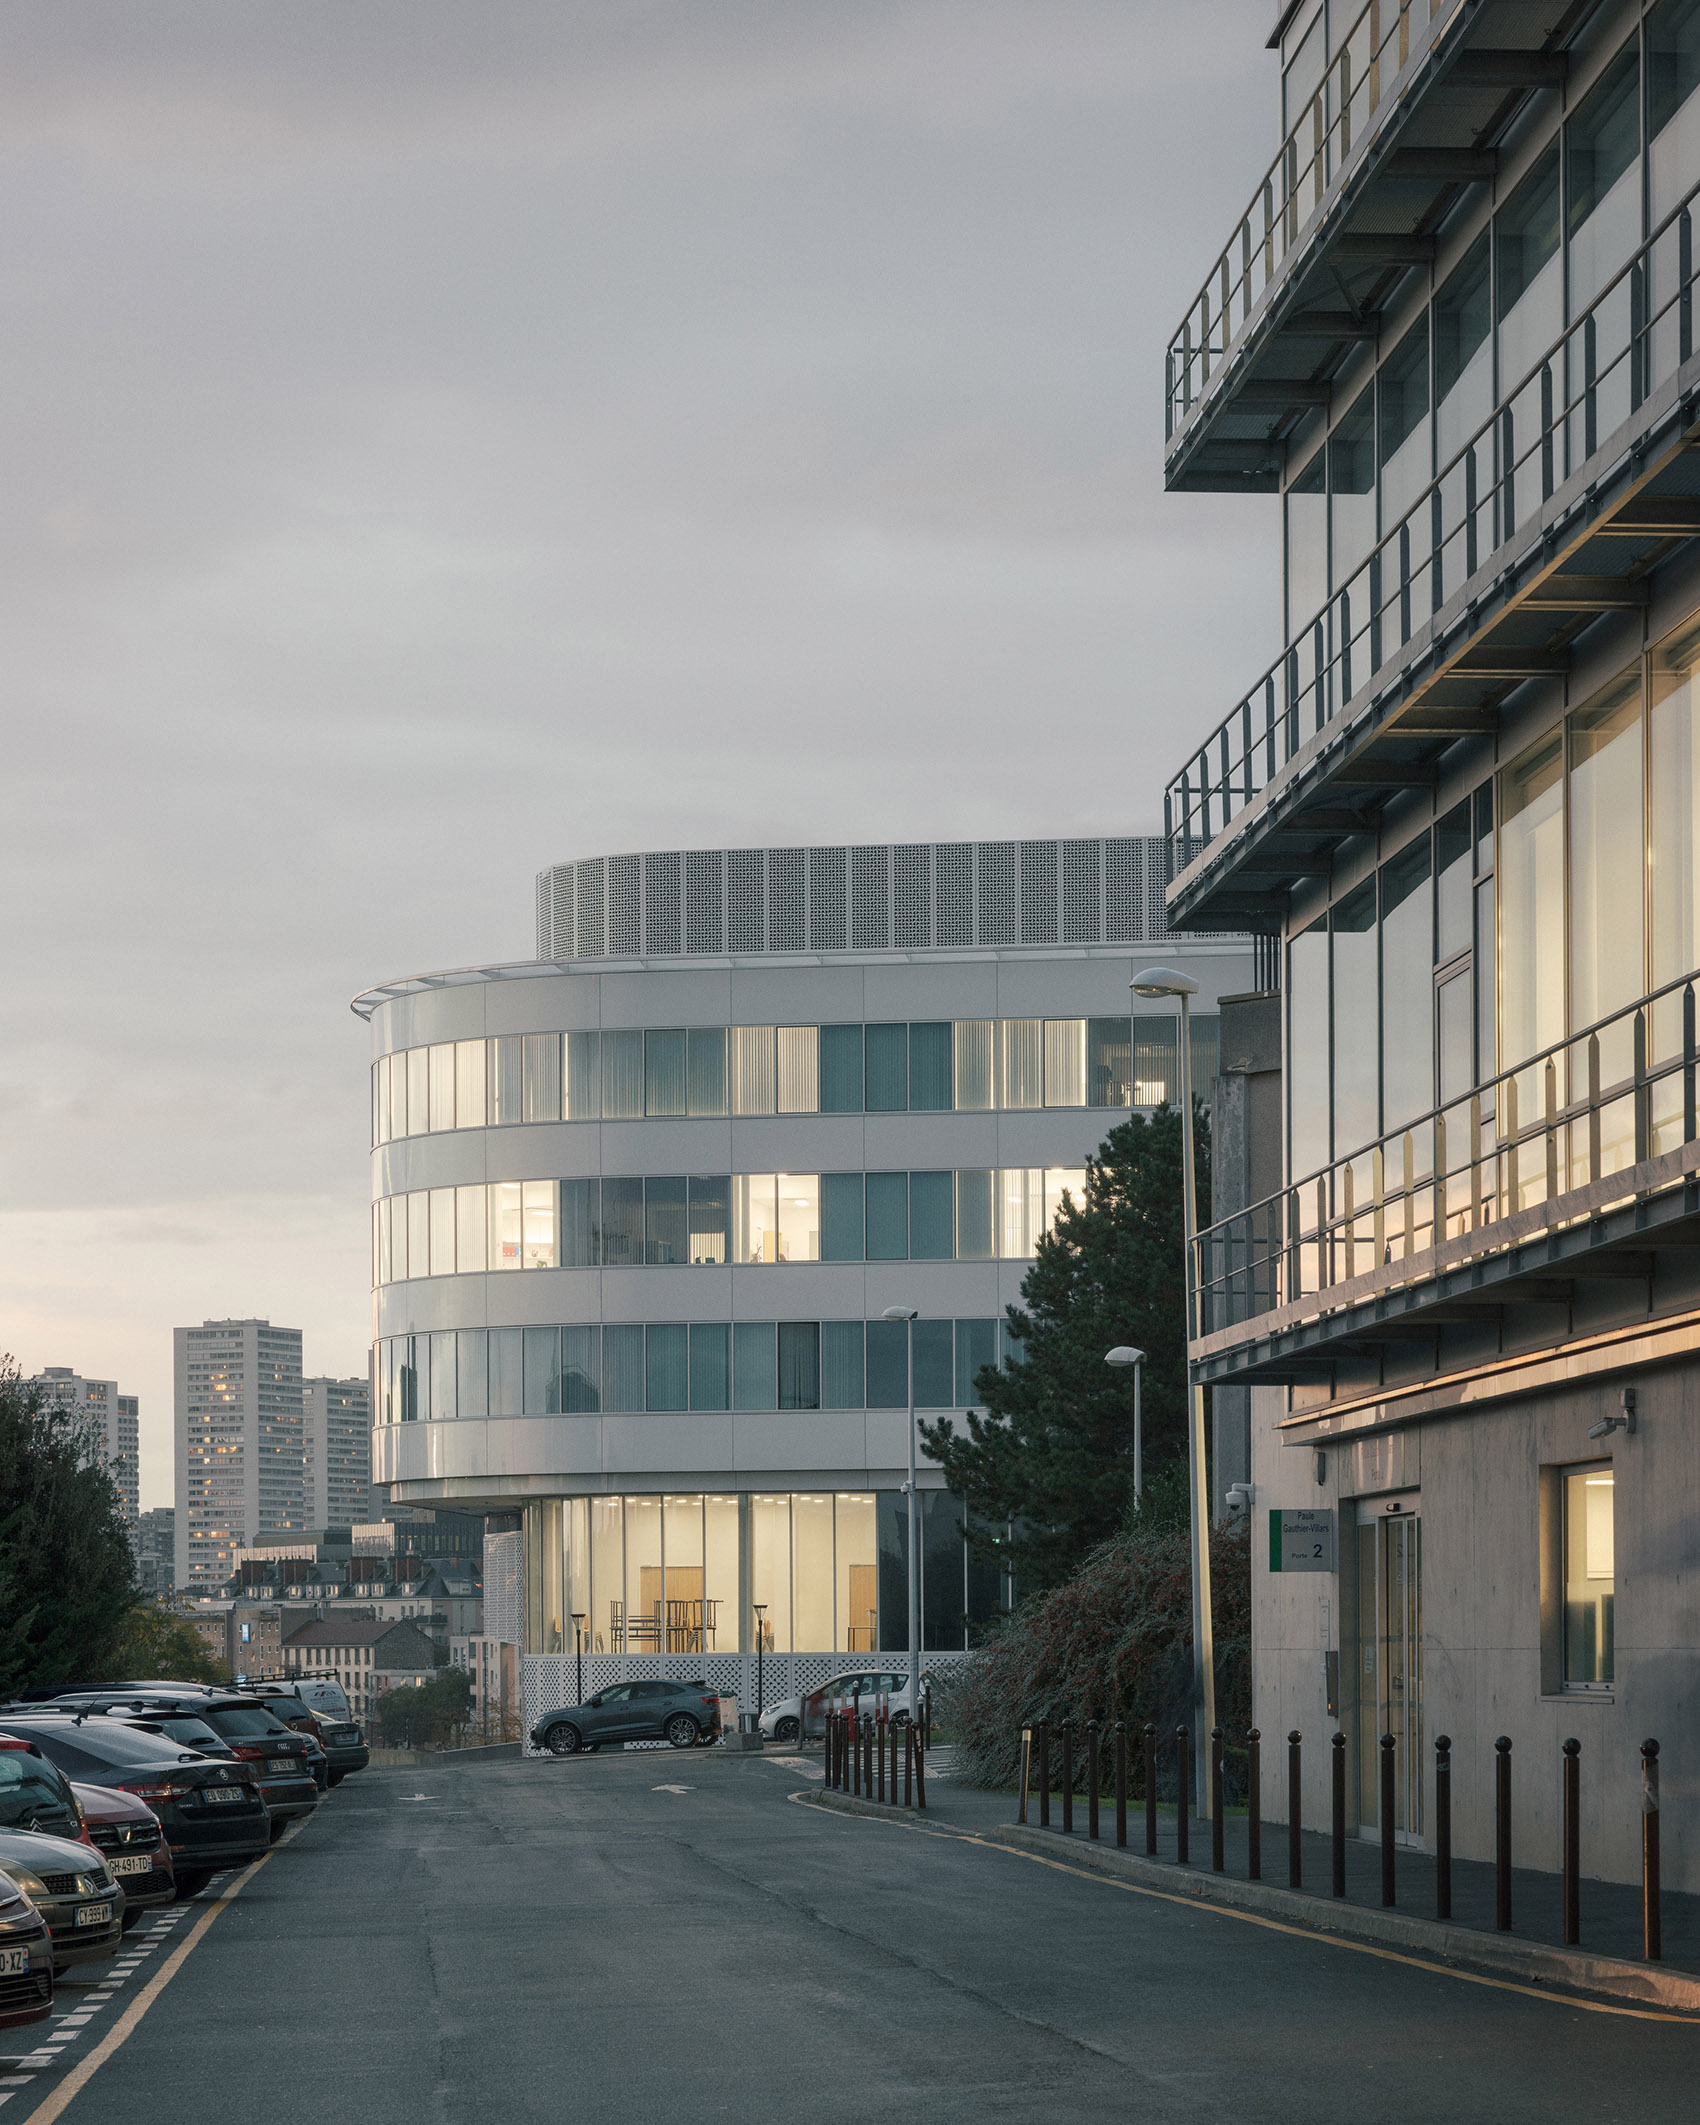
(1036, 1759)
(862, 1753)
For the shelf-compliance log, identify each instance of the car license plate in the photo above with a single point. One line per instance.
(14, 1962)
(94, 1914)
(282, 1766)
(221, 1792)
(131, 1863)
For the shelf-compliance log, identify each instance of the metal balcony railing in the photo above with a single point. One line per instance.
(1370, 55)
(1597, 1103)
(1630, 340)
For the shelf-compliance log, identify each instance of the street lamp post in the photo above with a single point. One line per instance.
(1165, 981)
(907, 1315)
(579, 1622)
(1125, 1354)
(760, 1608)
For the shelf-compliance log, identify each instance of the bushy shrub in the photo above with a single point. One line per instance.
(1113, 1642)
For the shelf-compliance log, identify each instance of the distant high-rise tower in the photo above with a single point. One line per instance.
(337, 1439)
(111, 1427)
(238, 1438)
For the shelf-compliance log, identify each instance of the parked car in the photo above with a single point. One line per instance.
(682, 1713)
(278, 1758)
(336, 1733)
(35, 1794)
(26, 1959)
(791, 1718)
(128, 1835)
(69, 1885)
(212, 1810)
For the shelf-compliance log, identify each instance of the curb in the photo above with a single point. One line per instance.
(392, 1759)
(1647, 1984)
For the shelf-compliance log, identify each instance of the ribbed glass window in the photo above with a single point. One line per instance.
(542, 1068)
(888, 1069)
(442, 1377)
(537, 1224)
(622, 1223)
(581, 1369)
(798, 1070)
(799, 1365)
(705, 1070)
(841, 1069)
(622, 1368)
(1356, 1015)
(888, 1364)
(442, 1085)
(976, 1346)
(622, 1076)
(841, 1217)
(935, 1364)
(754, 1377)
(1021, 1063)
(711, 1217)
(507, 1079)
(755, 1217)
(932, 1217)
(584, 1077)
(1021, 1208)
(1452, 876)
(1065, 1062)
(542, 1371)
(888, 1217)
(580, 1220)
(1407, 985)
(443, 1232)
(971, 1040)
(752, 1069)
(507, 1372)
(664, 1070)
(1109, 1063)
(418, 1091)
(711, 1371)
(1307, 1064)
(664, 1222)
(1531, 900)
(841, 1360)
(976, 1220)
(930, 1071)
(667, 1368)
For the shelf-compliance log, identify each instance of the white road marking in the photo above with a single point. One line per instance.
(672, 1789)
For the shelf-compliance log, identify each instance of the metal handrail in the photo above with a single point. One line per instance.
(1355, 84)
(1633, 337)
(1544, 1126)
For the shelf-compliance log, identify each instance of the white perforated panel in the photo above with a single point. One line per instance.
(662, 928)
(746, 900)
(786, 900)
(1038, 892)
(995, 896)
(588, 919)
(1082, 891)
(912, 896)
(870, 899)
(1124, 890)
(625, 907)
(828, 928)
(705, 920)
(953, 889)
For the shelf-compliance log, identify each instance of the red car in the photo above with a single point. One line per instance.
(127, 1833)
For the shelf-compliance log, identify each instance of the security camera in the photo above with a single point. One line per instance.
(1240, 1496)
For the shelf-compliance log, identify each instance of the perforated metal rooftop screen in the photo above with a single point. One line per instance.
(907, 896)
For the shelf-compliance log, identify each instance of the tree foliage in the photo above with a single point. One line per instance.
(157, 1645)
(427, 1714)
(1113, 1643)
(67, 1574)
(1052, 1456)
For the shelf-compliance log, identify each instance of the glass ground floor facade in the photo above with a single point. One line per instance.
(697, 1573)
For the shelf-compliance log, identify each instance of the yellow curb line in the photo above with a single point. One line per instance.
(1271, 1925)
(80, 2075)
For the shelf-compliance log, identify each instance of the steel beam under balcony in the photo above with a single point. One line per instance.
(1491, 661)
(1374, 247)
(1281, 392)
(1566, 592)
(1654, 516)
(1485, 68)
(1368, 770)
(1331, 324)
(1445, 165)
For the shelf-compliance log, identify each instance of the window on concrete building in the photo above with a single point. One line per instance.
(1590, 1576)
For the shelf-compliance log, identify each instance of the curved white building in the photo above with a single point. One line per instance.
(640, 1204)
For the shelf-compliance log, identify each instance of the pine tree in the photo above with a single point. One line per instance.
(67, 1575)
(1052, 1457)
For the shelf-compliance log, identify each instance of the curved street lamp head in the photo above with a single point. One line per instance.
(901, 1313)
(1163, 981)
(1124, 1354)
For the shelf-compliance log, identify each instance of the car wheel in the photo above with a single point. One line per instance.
(279, 1825)
(132, 1917)
(900, 1719)
(337, 1777)
(190, 1882)
(681, 1731)
(563, 1739)
(786, 1730)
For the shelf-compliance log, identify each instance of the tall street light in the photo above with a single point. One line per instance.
(907, 1315)
(1164, 981)
(1125, 1354)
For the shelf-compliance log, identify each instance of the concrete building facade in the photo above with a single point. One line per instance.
(640, 1206)
(1454, 334)
(237, 1436)
(336, 1445)
(111, 1424)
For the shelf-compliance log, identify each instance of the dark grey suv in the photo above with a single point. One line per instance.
(682, 1713)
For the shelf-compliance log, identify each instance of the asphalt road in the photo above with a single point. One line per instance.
(579, 1941)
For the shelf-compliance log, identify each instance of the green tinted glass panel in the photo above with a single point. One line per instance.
(930, 1069)
(932, 1217)
(841, 1069)
(888, 1217)
(841, 1217)
(888, 1069)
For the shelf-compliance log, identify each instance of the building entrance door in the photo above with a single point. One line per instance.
(1390, 1660)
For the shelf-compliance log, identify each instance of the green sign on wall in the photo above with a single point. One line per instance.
(1301, 1538)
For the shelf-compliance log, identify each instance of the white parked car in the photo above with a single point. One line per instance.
(794, 1717)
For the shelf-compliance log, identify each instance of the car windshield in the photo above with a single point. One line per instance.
(192, 1733)
(243, 1722)
(30, 1790)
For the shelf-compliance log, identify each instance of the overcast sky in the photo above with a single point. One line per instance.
(443, 439)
